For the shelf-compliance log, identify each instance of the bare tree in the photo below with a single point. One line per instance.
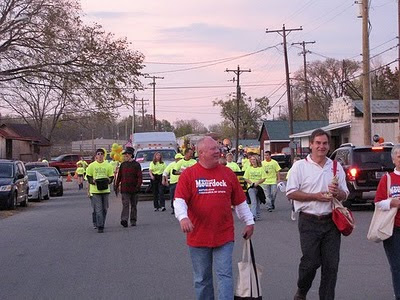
(52, 64)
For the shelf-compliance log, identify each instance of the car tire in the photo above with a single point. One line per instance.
(61, 192)
(13, 202)
(39, 195)
(47, 197)
(25, 202)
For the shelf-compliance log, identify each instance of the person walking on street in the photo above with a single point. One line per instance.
(184, 163)
(80, 171)
(386, 202)
(254, 176)
(173, 179)
(100, 175)
(203, 200)
(156, 169)
(312, 188)
(129, 181)
(272, 169)
(231, 164)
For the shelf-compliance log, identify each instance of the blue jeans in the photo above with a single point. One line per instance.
(254, 202)
(100, 205)
(270, 191)
(172, 188)
(392, 249)
(202, 261)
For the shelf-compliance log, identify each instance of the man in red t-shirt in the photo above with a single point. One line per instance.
(203, 200)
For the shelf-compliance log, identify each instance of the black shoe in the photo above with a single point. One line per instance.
(173, 212)
(300, 295)
(156, 209)
(163, 209)
(270, 209)
(100, 230)
(273, 206)
(124, 223)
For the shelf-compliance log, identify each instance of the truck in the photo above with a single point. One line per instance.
(148, 143)
(66, 163)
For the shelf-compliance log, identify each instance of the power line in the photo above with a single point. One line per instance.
(212, 64)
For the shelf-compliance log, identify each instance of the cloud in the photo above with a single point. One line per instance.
(212, 35)
(116, 14)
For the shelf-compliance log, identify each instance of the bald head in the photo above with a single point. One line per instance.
(208, 150)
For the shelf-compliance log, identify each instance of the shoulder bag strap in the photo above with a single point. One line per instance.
(253, 262)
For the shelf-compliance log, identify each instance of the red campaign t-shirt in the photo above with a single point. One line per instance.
(209, 194)
(381, 192)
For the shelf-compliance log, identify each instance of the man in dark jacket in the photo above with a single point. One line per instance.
(129, 180)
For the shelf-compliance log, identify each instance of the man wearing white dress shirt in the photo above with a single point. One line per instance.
(312, 188)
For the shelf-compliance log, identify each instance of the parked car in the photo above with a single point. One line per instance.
(55, 180)
(38, 186)
(282, 159)
(35, 164)
(14, 186)
(364, 166)
(66, 163)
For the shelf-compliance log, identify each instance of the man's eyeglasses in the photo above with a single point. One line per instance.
(99, 153)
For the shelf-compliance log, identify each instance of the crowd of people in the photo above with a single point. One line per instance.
(204, 191)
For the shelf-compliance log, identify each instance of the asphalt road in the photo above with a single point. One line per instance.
(50, 251)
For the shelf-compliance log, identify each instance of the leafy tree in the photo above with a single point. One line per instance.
(184, 127)
(224, 129)
(324, 84)
(52, 64)
(251, 114)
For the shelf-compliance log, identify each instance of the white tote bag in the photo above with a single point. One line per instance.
(248, 285)
(382, 223)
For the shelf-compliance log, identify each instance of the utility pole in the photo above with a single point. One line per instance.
(143, 111)
(154, 97)
(398, 60)
(133, 114)
(303, 43)
(238, 71)
(284, 32)
(366, 76)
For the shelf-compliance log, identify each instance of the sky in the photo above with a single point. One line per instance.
(192, 43)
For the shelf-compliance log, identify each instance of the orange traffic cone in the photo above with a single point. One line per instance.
(69, 178)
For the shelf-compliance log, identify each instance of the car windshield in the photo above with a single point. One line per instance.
(32, 176)
(48, 172)
(374, 158)
(167, 154)
(6, 171)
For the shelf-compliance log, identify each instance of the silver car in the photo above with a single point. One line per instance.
(38, 186)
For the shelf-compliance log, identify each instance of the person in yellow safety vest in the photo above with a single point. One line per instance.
(231, 164)
(156, 170)
(83, 163)
(173, 179)
(80, 171)
(184, 163)
(272, 169)
(245, 162)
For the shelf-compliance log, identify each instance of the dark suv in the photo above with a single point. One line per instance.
(364, 166)
(14, 185)
(282, 159)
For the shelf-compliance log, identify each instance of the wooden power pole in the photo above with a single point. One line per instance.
(154, 98)
(284, 32)
(367, 115)
(303, 43)
(398, 60)
(238, 71)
